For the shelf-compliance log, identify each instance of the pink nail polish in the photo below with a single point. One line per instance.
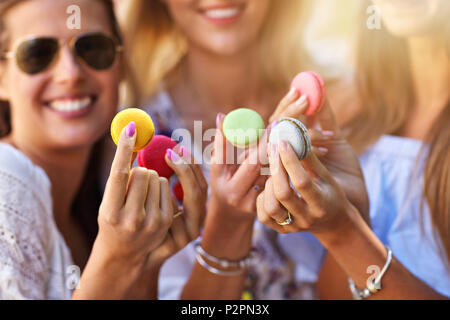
(274, 124)
(172, 155)
(328, 133)
(219, 118)
(131, 129)
(185, 152)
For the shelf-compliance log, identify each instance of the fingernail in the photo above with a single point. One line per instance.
(302, 100)
(292, 93)
(131, 129)
(273, 125)
(219, 118)
(323, 150)
(172, 155)
(328, 134)
(185, 152)
(283, 146)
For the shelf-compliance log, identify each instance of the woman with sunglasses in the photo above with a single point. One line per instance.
(58, 95)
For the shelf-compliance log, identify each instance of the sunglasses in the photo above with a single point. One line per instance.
(35, 55)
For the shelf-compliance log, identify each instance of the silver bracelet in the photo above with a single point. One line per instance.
(224, 263)
(372, 287)
(211, 269)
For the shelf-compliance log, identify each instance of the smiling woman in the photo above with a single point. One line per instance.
(59, 88)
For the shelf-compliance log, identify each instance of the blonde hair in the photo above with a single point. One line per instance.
(157, 45)
(385, 96)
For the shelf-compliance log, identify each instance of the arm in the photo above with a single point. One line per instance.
(360, 249)
(325, 211)
(226, 239)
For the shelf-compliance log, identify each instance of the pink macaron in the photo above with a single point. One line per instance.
(153, 156)
(312, 85)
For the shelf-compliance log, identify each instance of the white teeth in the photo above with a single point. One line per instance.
(71, 105)
(222, 13)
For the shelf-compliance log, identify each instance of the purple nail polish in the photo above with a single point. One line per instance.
(172, 155)
(131, 129)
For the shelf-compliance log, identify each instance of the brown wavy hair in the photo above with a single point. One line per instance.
(385, 90)
(87, 202)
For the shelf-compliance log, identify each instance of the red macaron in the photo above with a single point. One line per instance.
(153, 156)
(312, 85)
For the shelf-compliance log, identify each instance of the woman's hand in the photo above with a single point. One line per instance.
(236, 186)
(329, 145)
(134, 218)
(190, 217)
(338, 157)
(323, 208)
(136, 211)
(291, 106)
(185, 226)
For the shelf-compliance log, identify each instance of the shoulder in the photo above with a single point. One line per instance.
(21, 181)
(26, 227)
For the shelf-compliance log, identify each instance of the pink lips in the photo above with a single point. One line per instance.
(222, 15)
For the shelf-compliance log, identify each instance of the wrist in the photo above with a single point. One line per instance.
(225, 237)
(343, 233)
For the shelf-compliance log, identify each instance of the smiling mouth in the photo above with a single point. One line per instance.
(222, 14)
(72, 106)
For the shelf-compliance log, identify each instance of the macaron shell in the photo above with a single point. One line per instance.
(144, 126)
(311, 84)
(294, 132)
(322, 87)
(153, 156)
(242, 127)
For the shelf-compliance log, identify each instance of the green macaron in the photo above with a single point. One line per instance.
(243, 127)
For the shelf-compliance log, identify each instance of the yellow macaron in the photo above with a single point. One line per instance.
(145, 128)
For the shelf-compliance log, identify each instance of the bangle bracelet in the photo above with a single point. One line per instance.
(372, 286)
(216, 271)
(244, 263)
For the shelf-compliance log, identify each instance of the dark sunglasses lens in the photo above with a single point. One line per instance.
(98, 51)
(34, 56)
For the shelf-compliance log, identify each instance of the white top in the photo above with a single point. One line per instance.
(395, 196)
(34, 258)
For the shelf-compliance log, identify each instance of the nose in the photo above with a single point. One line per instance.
(67, 69)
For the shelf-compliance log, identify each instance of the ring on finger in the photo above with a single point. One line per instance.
(179, 213)
(286, 222)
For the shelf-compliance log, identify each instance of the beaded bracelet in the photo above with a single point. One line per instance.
(224, 263)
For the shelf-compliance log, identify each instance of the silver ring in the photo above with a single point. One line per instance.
(286, 222)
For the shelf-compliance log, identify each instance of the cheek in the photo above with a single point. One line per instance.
(24, 91)
(108, 84)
